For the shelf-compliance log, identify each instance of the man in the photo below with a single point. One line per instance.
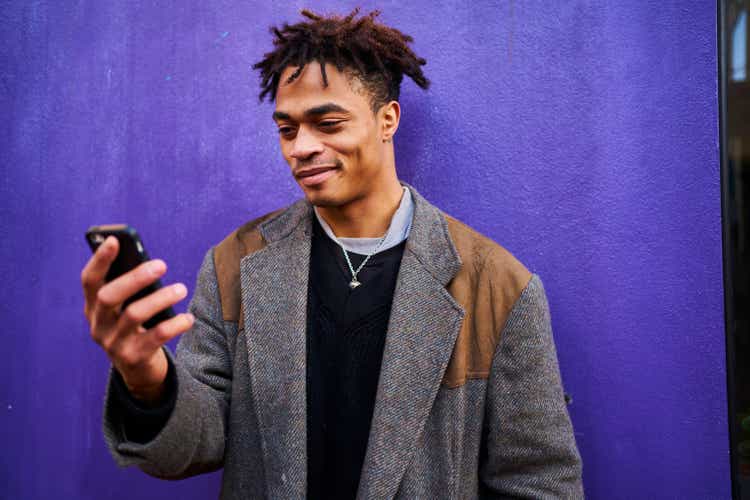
(357, 343)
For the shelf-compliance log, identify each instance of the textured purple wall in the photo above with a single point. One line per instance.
(583, 138)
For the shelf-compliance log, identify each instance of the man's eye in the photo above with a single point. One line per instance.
(286, 130)
(329, 123)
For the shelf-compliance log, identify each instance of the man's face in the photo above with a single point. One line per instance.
(329, 135)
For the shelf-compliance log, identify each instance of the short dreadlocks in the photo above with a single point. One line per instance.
(376, 54)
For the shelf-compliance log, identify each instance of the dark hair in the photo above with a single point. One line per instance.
(374, 53)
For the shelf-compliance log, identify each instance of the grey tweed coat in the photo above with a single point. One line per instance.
(469, 402)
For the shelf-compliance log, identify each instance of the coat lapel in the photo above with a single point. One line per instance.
(424, 324)
(422, 330)
(274, 297)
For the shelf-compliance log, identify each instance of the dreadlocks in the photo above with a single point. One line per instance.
(377, 54)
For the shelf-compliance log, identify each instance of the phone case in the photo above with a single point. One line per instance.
(132, 253)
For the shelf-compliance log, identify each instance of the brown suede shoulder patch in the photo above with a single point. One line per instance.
(227, 255)
(487, 286)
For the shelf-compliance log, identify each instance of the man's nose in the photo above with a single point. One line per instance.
(305, 145)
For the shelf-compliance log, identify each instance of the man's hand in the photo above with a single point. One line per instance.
(134, 351)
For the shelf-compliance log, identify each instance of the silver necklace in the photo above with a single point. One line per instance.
(354, 283)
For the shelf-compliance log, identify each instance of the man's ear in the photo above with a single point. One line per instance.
(390, 115)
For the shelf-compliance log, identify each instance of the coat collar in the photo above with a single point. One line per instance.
(429, 239)
(422, 329)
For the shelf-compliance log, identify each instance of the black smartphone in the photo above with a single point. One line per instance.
(132, 253)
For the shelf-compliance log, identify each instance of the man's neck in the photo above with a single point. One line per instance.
(365, 218)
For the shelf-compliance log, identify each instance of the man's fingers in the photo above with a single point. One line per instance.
(141, 310)
(131, 353)
(132, 347)
(95, 270)
(118, 290)
(167, 330)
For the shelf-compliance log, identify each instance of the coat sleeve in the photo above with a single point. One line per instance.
(193, 438)
(529, 450)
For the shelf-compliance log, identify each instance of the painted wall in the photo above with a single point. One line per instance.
(581, 136)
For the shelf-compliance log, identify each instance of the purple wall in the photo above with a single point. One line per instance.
(584, 139)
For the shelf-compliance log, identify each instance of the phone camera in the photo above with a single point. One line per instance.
(98, 239)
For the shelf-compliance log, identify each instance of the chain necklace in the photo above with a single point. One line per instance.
(354, 283)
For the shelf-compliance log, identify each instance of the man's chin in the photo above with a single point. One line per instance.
(324, 203)
(321, 198)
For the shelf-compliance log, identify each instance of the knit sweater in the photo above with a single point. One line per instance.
(346, 331)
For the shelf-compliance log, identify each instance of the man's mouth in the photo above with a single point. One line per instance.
(315, 175)
(307, 172)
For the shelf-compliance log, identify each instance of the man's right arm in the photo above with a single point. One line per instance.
(193, 395)
(193, 437)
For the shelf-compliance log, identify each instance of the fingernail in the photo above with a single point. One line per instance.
(190, 317)
(106, 245)
(156, 266)
(180, 290)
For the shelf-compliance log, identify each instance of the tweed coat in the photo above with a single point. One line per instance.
(469, 401)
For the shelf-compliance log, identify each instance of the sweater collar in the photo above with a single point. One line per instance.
(398, 230)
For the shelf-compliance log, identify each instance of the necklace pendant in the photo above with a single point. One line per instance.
(354, 283)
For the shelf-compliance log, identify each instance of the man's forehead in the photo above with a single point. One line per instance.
(307, 94)
(309, 80)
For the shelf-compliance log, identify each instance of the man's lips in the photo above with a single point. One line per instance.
(315, 175)
(306, 172)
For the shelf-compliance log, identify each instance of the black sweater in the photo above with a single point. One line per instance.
(346, 332)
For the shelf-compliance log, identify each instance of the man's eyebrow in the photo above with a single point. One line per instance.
(329, 107)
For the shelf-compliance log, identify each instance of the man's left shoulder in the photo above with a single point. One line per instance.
(487, 286)
(481, 255)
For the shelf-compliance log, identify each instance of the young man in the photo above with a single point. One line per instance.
(357, 343)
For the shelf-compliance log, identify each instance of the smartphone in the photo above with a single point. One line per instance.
(132, 253)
